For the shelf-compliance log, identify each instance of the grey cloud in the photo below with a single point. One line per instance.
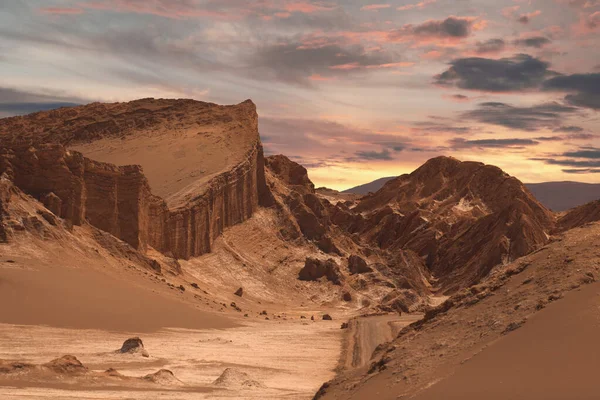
(584, 89)
(535, 41)
(17, 102)
(569, 129)
(294, 62)
(593, 154)
(582, 171)
(451, 27)
(490, 46)
(569, 162)
(548, 115)
(458, 143)
(518, 73)
(384, 155)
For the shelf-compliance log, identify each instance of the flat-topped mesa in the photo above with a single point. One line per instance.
(203, 160)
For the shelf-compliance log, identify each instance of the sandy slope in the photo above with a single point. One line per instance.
(553, 357)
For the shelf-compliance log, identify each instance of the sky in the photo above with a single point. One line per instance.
(353, 90)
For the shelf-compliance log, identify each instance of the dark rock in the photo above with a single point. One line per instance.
(239, 292)
(134, 345)
(327, 317)
(357, 265)
(315, 269)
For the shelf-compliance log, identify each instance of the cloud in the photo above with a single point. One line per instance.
(214, 9)
(321, 137)
(296, 61)
(581, 3)
(375, 7)
(582, 161)
(569, 129)
(518, 73)
(542, 116)
(584, 89)
(460, 143)
(419, 5)
(490, 46)
(581, 171)
(526, 18)
(371, 156)
(61, 10)
(450, 30)
(459, 98)
(534, 41)
(18, 102)
(583, 153)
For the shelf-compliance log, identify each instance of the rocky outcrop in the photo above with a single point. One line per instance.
(357, 265)
(463, 218)
(118, 199)
(315, 269)
(580, 216)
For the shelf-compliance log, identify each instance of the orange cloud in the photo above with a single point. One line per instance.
(375, 7)
(61, 10)
(420, 5)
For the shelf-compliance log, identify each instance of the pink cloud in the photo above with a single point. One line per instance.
(526, 18)
(305, 7)
(581, 3)
(510, 12)
(61, 10)
(218, 9)
(375, 7)
(355, 65)
(320, 78)
(164, 8)
(588, 24)
(420, 5)
(457, 98)
(441, 33)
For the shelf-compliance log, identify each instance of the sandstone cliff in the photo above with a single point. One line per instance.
(119, 199)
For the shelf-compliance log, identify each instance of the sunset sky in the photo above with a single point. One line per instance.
(353, 90)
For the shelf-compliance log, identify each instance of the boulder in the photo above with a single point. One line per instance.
(315, 269)
(239, 292)
(134, 346)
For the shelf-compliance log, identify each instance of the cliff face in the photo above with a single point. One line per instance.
(119, 199)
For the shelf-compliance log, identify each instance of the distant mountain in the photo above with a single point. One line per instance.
(561, 196)
(369, 187)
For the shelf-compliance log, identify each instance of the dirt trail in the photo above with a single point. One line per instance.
(366, 333)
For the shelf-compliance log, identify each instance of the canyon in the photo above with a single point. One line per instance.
(164, 218)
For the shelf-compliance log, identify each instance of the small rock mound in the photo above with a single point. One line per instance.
(233, 377)
(66, 365)
(239, 292)
(163, 377)
(7, 367)
(134, 346)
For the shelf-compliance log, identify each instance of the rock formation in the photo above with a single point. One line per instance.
(316, 269)
(134, 346)
(118, 199)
